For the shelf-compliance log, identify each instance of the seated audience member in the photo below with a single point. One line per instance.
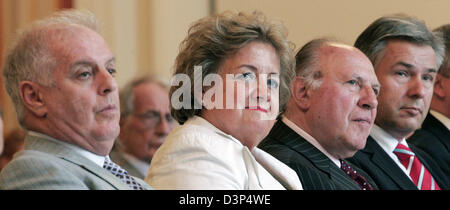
(406, 57)
(328, 117)
(245, 65)
(434, 136)
(13, 143)
(60, 76)
(144, 124)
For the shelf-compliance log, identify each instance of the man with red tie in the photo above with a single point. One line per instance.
(406, 56)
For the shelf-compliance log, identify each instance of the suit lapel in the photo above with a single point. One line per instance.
(98, 171)
(58, 149)
(289, 137)
(387, 165)
(438, 129)
(117, 157)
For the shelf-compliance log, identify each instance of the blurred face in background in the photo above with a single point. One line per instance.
(144, 130)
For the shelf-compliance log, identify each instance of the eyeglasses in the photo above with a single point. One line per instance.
(152, 118)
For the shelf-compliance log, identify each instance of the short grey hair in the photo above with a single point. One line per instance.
(30, 57)
(444, 70)
(307, 62)
(126, 94)
(373, 40)
(213, 39)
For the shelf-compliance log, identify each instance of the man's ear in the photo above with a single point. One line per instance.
(300, 93)
(32, 98)
(438, 89)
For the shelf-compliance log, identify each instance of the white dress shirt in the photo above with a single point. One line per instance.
(199, 156)
(388, 143)
(442, 118)
(310, 139)
(97, 159)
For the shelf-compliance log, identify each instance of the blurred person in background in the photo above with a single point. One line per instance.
(434, 135)
(145, 121)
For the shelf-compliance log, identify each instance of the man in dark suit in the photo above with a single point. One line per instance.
(406, 57)
(328, 117)
(60, 76)
(145, 121)
(434, 136)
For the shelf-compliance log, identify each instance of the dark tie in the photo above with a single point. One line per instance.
(357, 177)
(418, 173)
(117, 171)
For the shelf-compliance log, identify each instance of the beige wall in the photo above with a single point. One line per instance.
(143, 34)
(342, 19)
(16, 14)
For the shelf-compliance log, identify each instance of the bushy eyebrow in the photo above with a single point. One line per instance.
(86, 62)
(410, 66)
(254, 69)
(361, 80)
(110, 61)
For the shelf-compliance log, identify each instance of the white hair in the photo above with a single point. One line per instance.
(30, 57)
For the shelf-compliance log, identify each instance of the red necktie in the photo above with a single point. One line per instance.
(418, 173)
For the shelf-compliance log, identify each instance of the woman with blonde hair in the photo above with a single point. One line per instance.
(215, 147)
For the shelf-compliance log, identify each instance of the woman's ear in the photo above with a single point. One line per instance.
(300, 93)
(32, 98)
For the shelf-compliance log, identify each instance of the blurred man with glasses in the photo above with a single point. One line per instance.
(144, 123)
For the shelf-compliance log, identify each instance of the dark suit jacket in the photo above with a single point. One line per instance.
(315, 170)
(386, 173)
(434, 139)
(117, 157)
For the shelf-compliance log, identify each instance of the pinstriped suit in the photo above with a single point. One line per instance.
(315, 170)
(49, 165)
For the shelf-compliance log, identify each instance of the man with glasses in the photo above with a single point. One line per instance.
(144, 124)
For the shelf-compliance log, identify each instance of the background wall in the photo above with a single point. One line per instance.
(145, 34)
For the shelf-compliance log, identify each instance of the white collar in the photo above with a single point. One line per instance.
(442, 118)
(97, 159)
(385, 140)
(310, 139)
(388, 143)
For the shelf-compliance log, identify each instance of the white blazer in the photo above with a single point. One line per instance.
(198, 155)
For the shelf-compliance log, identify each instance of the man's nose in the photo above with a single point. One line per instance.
(107, 83)
(368, 98)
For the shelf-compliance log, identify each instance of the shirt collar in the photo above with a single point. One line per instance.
(310, 139)
(97, 159)
(384, 139)
(442, 118)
